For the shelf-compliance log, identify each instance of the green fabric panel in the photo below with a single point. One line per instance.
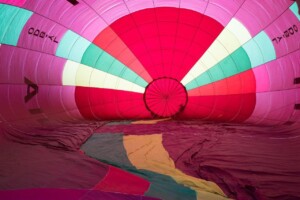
(216, 73)
(72, 46)
(294, 8)
(266, 46)
(91, 55)
(79, 48)
(164, 187)
(12, 22)
(242, 61)
(235, 63)
(254, 53)
(200, 80)
(103, 61)
(108, 148)
(134, 77)
(66, 43)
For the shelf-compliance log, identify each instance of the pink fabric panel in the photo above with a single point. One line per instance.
(81, 18)
(283, 71)
(110, 10)
(223, 14)
(18, 3)
(68, 100)
(136, 5)
(262, 78)
(50, 34)
(269, 77)
(257, 14)
(167, 3)
(274, 107)
(285, 44)
(196, 5)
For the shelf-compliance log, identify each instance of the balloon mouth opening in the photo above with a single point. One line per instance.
(165, 97)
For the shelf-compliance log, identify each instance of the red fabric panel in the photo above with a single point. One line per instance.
(228, 107)
(238, 84)
(121, 181)
(165, 40)
(105, 104)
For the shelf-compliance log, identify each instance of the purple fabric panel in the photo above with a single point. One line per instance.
(256, 15)
(136, 5)
(65, 194)
(81, 18)
(18, 3)
(285, 44)
(222, 11)
(48, 39)
(68, 100)
(247, 162)
(274, 107)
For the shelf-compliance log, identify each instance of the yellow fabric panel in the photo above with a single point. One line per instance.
(151, 121)
(147, 152)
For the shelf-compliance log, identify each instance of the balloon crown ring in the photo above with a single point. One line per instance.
(165, 97)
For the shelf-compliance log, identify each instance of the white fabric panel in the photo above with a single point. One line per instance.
(76, 74)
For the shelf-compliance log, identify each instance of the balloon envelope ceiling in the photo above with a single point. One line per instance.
(70, 66)
(193, 59)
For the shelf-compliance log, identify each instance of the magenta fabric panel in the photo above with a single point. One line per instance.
(6, 53)
(50, 103)
(68, 101)
(41, 34)
(18, 3)
(269, 76)
(6, 106)
(81, 18)
(42, 69)
(256, 14)
(223, 14)
(284, 32)
(274, 107)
